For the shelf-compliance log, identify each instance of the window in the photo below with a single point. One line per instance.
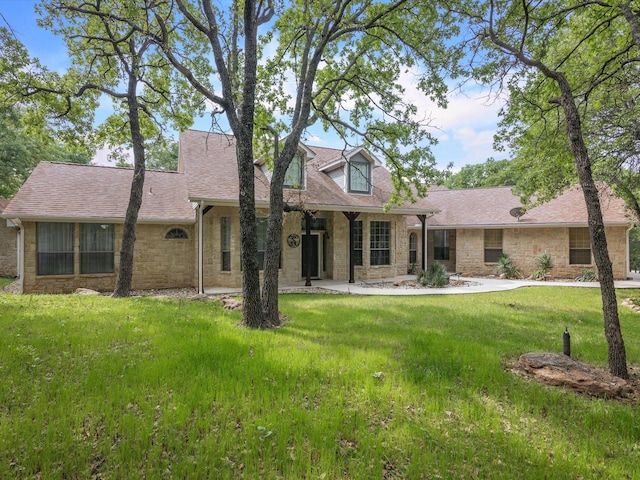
(359, 176)
(380, 243)
(579, 246)
(413, 248)
(225, 242)
(176, 234)
(441, 245)
(261, 228)
(96, 248)
(492, 245)
(316, 224)
(294, 178)
(55, 248)
(357, 242)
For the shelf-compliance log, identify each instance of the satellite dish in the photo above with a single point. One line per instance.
(516, 212)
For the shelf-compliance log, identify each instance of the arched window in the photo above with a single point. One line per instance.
(176, 233)
(413, 247)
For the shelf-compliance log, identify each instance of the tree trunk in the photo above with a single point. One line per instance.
(617, 354)
(252, 307)
(125, 269)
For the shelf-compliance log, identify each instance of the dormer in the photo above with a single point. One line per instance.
(353, 171)
(296, 176)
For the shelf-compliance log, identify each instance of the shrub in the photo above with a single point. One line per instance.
(544, 265)
(507, 268)
(587, 275)
(434, 276)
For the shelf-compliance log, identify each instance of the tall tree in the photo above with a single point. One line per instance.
(116, 59)
(492, 173)
(331, 51)
(31, 127)
(538, 45)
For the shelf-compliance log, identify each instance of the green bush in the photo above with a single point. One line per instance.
(507, 268)
(544, 265)
(434, 276)
(587, 275)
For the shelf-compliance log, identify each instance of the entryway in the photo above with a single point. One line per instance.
(315, 256)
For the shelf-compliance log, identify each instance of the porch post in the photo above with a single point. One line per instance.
(308, 217)
(423, 221)
(351, 216)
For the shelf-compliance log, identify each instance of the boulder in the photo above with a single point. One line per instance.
(86, 291)
(560, 370)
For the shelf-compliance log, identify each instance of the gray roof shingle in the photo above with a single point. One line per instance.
(61, 191)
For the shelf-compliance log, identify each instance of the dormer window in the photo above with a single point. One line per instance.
(294, 178)
(359, 176)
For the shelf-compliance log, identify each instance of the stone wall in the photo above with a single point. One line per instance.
(159, 262)
(524, 245)
(8, 249)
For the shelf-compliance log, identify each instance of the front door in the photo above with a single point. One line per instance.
(315, 256)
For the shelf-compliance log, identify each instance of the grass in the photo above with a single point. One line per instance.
(4, 281)
(351, 387)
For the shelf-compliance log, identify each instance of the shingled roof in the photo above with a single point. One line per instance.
(63, 191)
(490, 207)
(209, 162)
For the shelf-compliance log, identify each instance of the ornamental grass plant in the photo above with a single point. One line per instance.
(349, 387)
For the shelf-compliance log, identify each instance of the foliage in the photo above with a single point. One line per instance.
(163, 155)
(20, 152)
(587, 275)
(544, 266)
(506, 267)
(492, 173)
(434, 276)
(348, 387)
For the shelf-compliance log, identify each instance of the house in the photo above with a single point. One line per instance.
(8, 244)
(188, 235)
(473, 227)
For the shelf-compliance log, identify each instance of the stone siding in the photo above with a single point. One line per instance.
(8, 249)
(159, 262)
(525, 245)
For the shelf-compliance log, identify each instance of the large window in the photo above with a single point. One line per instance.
(55, 248)
(357, 242)
(96, 248)
(413, 248)
(225, 235)
(294, 178)
(380, 243)
(492, 245)
(441, 245)
(359, 176)
(579, 246)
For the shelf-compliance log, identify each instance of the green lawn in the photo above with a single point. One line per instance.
(350, 388)
(4, 281)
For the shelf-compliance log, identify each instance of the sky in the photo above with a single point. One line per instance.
(464, 130)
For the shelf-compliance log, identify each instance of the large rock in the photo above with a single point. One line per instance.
(560, 370)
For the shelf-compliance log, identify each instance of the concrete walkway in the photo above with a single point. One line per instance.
(474, 285)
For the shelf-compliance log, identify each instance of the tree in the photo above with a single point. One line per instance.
(538, 46)
(163, 155)
(118, 60)
(331, 51)
(30, 128)
(492, 173)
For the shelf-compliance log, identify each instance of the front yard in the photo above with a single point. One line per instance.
(350, 387)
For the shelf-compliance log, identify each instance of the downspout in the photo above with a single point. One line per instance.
(200, 255)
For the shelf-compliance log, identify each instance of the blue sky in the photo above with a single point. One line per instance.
(465, 129)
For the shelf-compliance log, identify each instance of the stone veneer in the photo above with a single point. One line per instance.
(8, 249)
(333, 248)
(525, 245)
(159, 262)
